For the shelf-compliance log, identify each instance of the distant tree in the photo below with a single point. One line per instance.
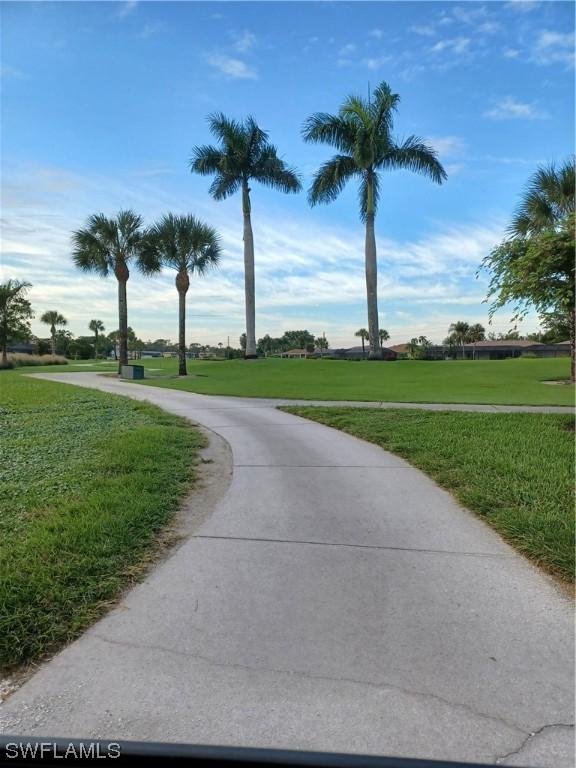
(322, 343)
(383, 335)
(297, 340)
(53, 319)
(476, 332)
(108, 246)
(556, 328)
(418, 346)
(15, 312)
(189, 246)
(361, 133)
(363, 334)
(459, 333)
(534, 267)
(97, 327)
(244, 155)
(81, 348)
(243, 342)
(113, 338)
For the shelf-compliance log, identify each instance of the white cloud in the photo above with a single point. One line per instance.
(377, 62)
(126, 9)
(511, 109)
(423, 29)
(347, 49)
(511, 53)
(554, 47)
(12, 73)
(523, 6)
(244, 41)
(377, 33)
(447, 146)
(457, 45)
(231, 67)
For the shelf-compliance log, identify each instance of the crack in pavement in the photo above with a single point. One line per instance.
(353, 546)
(312, 676)
(529, 737)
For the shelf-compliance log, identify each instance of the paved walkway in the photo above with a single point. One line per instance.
(336, 599)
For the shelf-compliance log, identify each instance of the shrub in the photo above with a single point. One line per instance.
(19, 360)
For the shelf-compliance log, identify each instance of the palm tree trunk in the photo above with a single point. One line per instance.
(371, 276)
(363, 350)
(182, 285)
(249, 288)
(4, 346)
(122, 275)
(53, 339)
(96, 346)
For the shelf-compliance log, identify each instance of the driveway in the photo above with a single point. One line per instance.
(336, 599)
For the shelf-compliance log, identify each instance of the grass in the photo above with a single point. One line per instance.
(514, 470)
(495, 381)
(88, 483)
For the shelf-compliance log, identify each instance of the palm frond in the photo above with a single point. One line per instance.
(273, 172)
(548, 198)
(357, 110)
(206, 160)
(224, 185)
(331, 178)
(335, 130)
(414, 155)
(385, 103)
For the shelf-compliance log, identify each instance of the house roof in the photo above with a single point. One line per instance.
(400, 348)
(295, 352)
(503, 343)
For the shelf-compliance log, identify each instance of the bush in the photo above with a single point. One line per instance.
(6, 366)
(19, 360)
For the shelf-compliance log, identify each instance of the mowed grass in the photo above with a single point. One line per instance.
(514, 470)
(517, 381)
(88, 483)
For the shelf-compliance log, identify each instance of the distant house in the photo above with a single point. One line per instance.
(504, 348)
(356, 353)
(490, 349)
(149, 353)
(295, 354)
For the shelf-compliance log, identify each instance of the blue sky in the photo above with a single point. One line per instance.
(102, 103)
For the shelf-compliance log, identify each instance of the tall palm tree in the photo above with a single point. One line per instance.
(383, 335)
(53, 319)
(460, 331)
(15, 311)
(96, 326)
(548, 200)
(362, 134)
(107, 246)
(189, 246)
(365, 336)
(243, 155)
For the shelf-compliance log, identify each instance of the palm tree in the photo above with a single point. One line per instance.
(383, 335)
(365, 336)
(244, 155)
(460, 331)
(15, 311)
(53, 318)
(110, 245)
(96, 326)
(548, 200)
(362, 133)
(189, 246)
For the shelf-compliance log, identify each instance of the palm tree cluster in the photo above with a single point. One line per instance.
(243, 156)
(112, 245)
(461, 333)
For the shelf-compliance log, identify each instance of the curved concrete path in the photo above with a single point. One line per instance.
(336, 599)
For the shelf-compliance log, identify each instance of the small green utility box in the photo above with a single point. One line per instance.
(132, 372)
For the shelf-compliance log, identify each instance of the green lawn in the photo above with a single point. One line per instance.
(88, 483)
(506, 381)
(514, 470)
